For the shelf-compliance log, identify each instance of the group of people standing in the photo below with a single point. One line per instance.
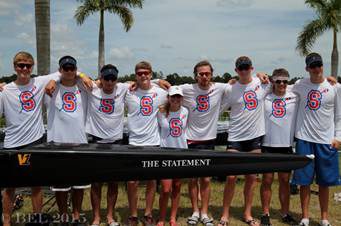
(264, 117)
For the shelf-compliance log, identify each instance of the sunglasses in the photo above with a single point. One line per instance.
(141, 73)
(68, 68)
(205, 74)
(244, 67)
(278, 82)
(315, 65)
(22, 66)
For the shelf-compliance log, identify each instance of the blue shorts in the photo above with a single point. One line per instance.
(325, 165)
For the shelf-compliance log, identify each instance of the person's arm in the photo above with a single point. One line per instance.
(336, 142)
(163, 84)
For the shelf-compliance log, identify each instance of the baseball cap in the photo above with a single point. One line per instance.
(175, 90)
(109, 72)
(67, 60)
(313, 59)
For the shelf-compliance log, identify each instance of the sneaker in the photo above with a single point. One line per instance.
(206, 221)
(193, 220)
(287, 218)
(148, 220)
(132, 221)
(304, 223)
(325, 223)
(265, 220)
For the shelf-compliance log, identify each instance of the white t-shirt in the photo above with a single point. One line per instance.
(22, 108)
(143, 106)
(280, 119)
(173, 128)
(106, 113)
(66, 115)
(319, 111)
(247, 110)
(204, 109)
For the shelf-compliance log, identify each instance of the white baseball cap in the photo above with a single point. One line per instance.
(175, 90)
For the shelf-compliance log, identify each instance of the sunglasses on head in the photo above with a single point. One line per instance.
(285, 82)
(315, 65)
(205, 74)
(22, 66)
(244, 67)
(68, 68)
(140, 73)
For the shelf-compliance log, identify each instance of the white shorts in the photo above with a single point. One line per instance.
(60, 188)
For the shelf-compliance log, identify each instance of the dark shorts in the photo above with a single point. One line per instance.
(246, 145)
(277, 150)
(206, 144)
(39, 141)
(95, 140)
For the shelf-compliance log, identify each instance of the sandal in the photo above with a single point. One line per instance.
(251, 222)
(207, 221)
(113, 223)
(193, 220)
(148, 220)
(223, 222)
(173, 223)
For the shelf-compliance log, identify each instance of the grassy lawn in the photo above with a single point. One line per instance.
(215, 205)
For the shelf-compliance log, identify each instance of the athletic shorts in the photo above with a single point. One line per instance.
(97, 140)
(324, 168)
(246, 145)
(65, 188)
(205, 144)
(277, 150)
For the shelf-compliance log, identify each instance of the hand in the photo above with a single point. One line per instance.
(50, 87)
(132, 85)
(164, 84)
(264, 78)
(335, 144)
(98, 83)
(332, 80)
(232, 81)
(2, 85)
(86, 80)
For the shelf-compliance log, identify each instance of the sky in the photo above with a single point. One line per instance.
(171, 34)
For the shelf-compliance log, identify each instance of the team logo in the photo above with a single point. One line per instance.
(27, 101)
(175, 127)
(203, 103)
(146, 105)
(24, 159)
(69, 102)
(279, 108)
(107, 106)
(314, 99)
(250, 100)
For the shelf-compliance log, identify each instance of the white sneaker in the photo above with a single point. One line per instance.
(304, 222)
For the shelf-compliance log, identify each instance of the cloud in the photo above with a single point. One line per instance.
(23, 18)
(235, 3)
(166, 46)
(26, 38)
(121, 53)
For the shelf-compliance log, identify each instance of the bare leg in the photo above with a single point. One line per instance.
(324, 198)
(175, 198)
(193, 193)
(8, 200)
(132, 197)
(111, 200)
(150, 194)
(205, 191)
(305, 199)
(77, 199)
(249, 187)
(228, 196)
(284, 192)
(96, 193)
(163, 201)
(61, 198)
(265, 192)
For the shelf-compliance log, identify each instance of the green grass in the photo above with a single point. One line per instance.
(215, 205)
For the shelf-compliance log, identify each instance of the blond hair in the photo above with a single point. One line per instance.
(23, 56)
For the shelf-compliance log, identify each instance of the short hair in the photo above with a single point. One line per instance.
(22, 56)
(201, 64)
(143, 65)
(243, 60)
(280, 72)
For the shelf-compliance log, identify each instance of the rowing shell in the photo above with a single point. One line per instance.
(46, 165)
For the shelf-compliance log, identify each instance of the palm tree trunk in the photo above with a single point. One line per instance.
(335, 56)
(101, 42)
(42, 20)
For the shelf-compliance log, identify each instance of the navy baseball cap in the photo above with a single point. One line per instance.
(67, 60)
(243, 61)
(109, 72)
(313, 59)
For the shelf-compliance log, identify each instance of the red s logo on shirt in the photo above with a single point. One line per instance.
(27, 101)
(279, 108)
(314, 100)
(250, 100)
(107, 106)
(175, 127)
(146, 105)
(203, 103)
(69, 102)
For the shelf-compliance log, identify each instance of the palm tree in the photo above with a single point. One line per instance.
(328, 17)
(119, 7)
(42, 20)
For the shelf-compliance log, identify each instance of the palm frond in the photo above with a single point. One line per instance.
(127, 3)
(125, 15)
(88, 8)
(319, 5)
(309, 34)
